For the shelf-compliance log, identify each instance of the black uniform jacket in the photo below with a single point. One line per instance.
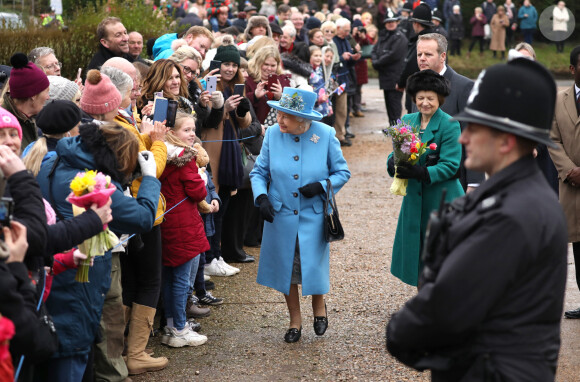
(496, 303)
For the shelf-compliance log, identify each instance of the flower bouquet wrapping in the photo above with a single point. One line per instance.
(407, 147)
(88, 188)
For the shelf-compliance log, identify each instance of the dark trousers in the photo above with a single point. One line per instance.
(235, 223)
(199, 283)
(356, 106)
(455, 47)
(253, 236)
(528, 35)
(474, 40)
(142, 270)
(576, 251)
(215, 251)
(393, 103)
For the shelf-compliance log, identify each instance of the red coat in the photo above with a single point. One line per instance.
(182, 232)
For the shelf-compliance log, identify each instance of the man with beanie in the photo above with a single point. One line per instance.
(113, 42)
(491, 290)
(29, 91)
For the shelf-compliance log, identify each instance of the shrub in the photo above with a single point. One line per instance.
(75, 46)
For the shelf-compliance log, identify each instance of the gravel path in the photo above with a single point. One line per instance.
(246, 332)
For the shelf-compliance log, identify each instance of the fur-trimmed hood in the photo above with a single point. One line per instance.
(104, 158)
(255, 21)
(179, 156)
(296, 65)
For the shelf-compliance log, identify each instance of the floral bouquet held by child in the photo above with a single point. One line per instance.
(88, 188)
(407, 148)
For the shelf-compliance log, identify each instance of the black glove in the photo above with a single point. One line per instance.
(266, 208)
(391, 164)
(406, 170)
(311, 189)
(243, 107)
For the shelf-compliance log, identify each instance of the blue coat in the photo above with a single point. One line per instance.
(289, 162)
(76, 307)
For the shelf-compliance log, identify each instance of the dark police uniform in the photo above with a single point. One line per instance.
(492, 290)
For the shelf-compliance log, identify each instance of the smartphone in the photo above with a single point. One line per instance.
(160, 106)
(239, 89)
(6, 211)
(211, 84)
(272, 79)
(171, 113)
(215, 64)
(79, 73)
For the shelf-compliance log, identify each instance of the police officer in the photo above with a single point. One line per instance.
(492, 287)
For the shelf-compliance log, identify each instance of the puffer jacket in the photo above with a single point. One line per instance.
(182, 232)
(76, 307)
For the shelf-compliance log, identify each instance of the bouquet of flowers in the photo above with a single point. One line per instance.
(407, 147)
(88, 188)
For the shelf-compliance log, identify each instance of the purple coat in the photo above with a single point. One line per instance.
(477, 26)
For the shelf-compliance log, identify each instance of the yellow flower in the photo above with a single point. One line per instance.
(418, 145)
(413, 156)
(84, 183)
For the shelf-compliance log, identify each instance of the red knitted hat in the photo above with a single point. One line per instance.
(26, 79)
(100, 95)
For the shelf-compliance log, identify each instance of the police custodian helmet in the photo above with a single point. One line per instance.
(518, 97)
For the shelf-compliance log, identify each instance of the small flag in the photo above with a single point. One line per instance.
(339, 90)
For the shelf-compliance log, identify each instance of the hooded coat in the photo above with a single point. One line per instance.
(76, 307)
(182, 232)
(255, 21)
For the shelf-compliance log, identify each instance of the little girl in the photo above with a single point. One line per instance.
(182, 232)
(318, 81)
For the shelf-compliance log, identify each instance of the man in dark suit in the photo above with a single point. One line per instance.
(431, 54)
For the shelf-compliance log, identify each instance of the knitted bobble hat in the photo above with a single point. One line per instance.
(8, 120)
(228, 53)
(26, 79)
(100, 95)
(61, 89)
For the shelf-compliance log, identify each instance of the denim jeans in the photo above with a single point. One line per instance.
(70, 369)
(196, 279)
(176, 289)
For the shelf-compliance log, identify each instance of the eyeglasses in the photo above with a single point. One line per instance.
(188, 70)
(138, 90)
(52, 66)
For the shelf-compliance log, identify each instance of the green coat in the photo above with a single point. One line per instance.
(422, 199)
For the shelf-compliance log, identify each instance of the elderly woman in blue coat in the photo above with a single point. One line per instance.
(298, 155)
(436, 171)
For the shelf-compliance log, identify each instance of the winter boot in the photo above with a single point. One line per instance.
(140, 327)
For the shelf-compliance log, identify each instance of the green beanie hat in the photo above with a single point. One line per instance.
(228, 53)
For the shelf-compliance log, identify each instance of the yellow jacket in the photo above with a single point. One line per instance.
(159, 151)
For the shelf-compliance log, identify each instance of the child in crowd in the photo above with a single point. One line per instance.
(328, 68)
(182, 233)
(318, 81)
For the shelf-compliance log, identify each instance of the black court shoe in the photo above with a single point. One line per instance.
(321, 323)
(293, 335)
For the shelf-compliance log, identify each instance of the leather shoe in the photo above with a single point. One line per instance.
(358, 114)
(246, 259)
(321, 323)
(349, 135)
(293, 335)
(572, 314)
(346, 142)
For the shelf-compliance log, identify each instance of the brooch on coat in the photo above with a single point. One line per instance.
(314, 138)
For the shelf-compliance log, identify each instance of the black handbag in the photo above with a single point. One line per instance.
(332, 228)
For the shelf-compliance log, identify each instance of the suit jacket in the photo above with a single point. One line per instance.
(454, 103)
(566, 134)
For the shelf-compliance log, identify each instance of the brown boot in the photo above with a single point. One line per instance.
(139, 329)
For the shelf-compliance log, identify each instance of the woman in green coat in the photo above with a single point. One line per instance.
(436, 170)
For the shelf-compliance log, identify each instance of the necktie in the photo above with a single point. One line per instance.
(578, 103)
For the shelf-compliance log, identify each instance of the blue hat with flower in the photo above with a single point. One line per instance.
(298, 102)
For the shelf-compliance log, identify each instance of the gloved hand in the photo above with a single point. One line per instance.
(406, 170)
(147, 164)
(391, 164)
(266, 208)
(217, 99)
(243, 107)
(311, 189)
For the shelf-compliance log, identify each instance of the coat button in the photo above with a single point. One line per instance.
(295, 176)
(296, 157)
(295, 194)
(295, 212)
(296, 139)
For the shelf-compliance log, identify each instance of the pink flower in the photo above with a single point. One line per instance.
(403, 130)
(102, 182)
(433, 146)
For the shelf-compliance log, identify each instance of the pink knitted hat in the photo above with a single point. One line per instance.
(100, 95)
(7, 120)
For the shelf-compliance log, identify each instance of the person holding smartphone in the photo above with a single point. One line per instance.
(225, 155)
(265, 83)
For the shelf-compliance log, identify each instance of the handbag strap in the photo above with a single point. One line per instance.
(330, 199)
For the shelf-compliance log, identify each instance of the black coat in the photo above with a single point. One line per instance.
(102, 55)
(456, 28)
(388, 57)
(497, 299)
(411, 66)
